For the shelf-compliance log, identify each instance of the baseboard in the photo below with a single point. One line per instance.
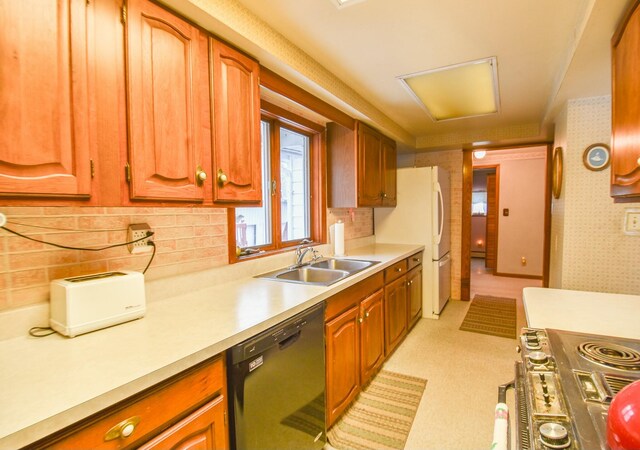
(518, 275)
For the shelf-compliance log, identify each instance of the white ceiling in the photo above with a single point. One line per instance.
(547, 51)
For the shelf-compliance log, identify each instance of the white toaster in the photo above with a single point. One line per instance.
(91, 302)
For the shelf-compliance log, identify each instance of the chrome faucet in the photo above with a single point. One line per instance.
(301, 252)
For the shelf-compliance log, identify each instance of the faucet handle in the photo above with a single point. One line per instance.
(316, 255)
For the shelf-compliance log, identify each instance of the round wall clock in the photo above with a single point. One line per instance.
(596, 157)
(556, 177)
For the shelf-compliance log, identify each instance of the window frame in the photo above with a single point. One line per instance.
(280, 118)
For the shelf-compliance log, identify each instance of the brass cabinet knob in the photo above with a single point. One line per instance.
(360, 319)
(366, 315)
(399, 269)
(123, 429)
(201, 176)
(222, 177)
(638, 161)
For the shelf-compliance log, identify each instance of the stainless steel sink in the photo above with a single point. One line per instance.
(324, 272)
(350, 265)
(310, 275)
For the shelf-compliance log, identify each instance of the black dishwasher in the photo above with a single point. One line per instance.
(276, 386)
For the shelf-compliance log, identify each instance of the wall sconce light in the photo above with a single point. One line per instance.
(479, 154)
(480, 243)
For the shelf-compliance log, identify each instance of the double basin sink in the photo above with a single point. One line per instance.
(324, 272)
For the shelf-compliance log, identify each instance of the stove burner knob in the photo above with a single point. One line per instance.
(547, 399)
(554, 435)
(545, 389)
(538, 357)
(518, 349)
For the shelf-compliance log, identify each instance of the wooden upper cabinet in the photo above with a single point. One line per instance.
(370, 168)
(167, 104)
(361, 167)
(236, 122)
(625, 157)
(46, 140)
(389, 170)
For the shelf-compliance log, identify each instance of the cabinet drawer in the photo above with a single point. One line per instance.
(352, 295)
(414, 260)
(393, 272)
(144, 415)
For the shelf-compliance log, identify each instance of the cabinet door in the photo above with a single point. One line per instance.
(236, 118)
(45, 112)
(625, 158)
(343, 362)
(371, 335)
(395, 309)
(414, 294)
(389, 154)
(369, 166)
(166, 84)
(204, 429)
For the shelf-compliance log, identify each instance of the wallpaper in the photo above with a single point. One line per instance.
(593, 253)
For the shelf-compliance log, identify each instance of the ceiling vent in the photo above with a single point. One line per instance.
(456, 92)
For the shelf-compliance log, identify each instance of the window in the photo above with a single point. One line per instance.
(479, 203)
(290, 211)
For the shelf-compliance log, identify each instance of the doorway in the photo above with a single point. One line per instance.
(511, 267)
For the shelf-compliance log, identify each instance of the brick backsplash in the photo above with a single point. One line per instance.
(187, 240)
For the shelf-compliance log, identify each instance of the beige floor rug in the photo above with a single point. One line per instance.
(491, 315)
(381, 416)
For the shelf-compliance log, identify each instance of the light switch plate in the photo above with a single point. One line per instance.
(631, 224)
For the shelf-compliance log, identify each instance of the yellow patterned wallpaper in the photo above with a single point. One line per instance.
(592, 254)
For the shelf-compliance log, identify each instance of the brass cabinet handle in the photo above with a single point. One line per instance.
(399, 269)
(222, 177)
(417, 259)
(360, 319)
(123, 429)
(638, 161)
(201, 176)
(366, 315)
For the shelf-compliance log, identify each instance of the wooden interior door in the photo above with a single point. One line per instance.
(491, 256)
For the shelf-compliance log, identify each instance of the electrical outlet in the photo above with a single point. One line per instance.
(137, 231)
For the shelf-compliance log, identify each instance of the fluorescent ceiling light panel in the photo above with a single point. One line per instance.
(459, 91)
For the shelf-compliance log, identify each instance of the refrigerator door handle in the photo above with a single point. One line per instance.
(441, 215)
(444, 260)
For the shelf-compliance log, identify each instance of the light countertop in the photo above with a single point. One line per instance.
(49, 383)
(584, 312)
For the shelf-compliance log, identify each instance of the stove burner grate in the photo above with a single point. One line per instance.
(611, 355)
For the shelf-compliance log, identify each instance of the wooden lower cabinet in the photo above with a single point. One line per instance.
(342, 337)
(203, 429)
(371, 335)
(186, 411)
(414, 295)
(395, 313)
(354, 340)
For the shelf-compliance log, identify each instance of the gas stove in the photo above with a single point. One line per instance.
(564, 385)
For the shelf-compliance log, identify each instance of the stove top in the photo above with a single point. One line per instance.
(569, 380)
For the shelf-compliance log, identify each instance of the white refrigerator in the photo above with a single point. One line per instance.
(422, 216)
